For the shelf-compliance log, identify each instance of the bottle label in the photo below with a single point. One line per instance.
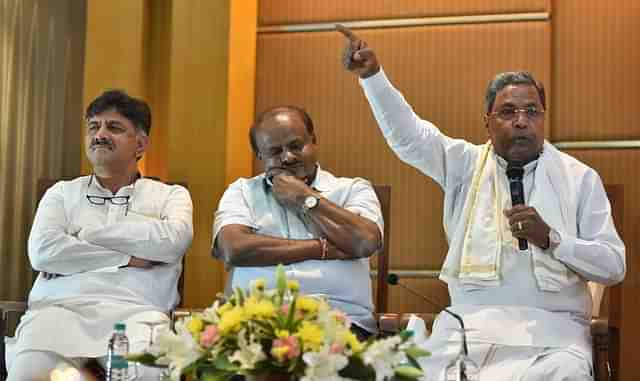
(119, 362)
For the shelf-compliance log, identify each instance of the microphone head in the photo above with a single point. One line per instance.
(515, 170)
(392, 279)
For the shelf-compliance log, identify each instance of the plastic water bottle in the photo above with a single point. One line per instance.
(117, 363)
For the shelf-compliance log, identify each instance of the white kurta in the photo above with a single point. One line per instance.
(514, 313)
(345, 283)
(88, 245)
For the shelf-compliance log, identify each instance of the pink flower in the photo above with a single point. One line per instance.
(336, 348)
(285, 309)
(209, 336)
(286, 347)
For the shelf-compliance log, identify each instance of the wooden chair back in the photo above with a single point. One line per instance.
(382, 287)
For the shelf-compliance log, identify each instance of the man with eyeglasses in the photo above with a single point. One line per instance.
(527, 308)
(321, 227)
(108, 247)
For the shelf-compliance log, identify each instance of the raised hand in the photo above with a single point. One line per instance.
(357, 57)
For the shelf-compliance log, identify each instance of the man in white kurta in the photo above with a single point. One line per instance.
(108, 248)
(323, 228)
(527, 311)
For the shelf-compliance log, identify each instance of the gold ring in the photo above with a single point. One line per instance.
(519, 225)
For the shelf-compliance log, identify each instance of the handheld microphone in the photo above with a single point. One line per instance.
(394, 280)
(514, 174)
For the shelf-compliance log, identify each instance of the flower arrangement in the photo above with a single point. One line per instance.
(279, 331)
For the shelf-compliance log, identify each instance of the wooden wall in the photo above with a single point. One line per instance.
(584, 51)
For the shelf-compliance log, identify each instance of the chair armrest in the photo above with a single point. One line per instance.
(7, 307)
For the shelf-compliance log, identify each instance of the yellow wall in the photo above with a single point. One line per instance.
(194, 62)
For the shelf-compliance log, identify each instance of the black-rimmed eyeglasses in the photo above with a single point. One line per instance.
(102, 200)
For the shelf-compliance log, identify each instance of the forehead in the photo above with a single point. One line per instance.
(517, 95)
(281, 128)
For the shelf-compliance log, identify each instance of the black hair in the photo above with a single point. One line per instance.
(134, 109)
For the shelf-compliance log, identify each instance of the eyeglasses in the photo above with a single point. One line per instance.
(102, 200)
(511, 113)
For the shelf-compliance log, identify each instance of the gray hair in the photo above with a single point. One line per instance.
(502, 80)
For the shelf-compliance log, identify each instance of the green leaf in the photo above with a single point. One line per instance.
(281, 280)
(209, 375)
(239, 294)
(405, 335)
(416, 352)
(406, 371)
(144, 358)
(291, 315)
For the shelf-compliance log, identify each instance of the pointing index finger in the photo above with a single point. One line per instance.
(346, 32)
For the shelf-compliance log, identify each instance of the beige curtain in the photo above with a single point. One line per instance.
(41, 56)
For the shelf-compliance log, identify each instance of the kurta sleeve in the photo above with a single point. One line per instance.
(164, 237)
(415, 141)
(53, 244)
(597, 252)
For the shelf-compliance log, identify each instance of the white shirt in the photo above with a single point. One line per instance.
(88, 245)
(345, 283)
(596, 253)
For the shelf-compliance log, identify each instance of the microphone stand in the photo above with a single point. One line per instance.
(461, 374)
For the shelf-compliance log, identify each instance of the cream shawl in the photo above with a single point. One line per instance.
(475, 251)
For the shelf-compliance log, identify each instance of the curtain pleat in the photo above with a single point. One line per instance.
(41, 55)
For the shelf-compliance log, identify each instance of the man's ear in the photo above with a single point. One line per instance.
(142, 143)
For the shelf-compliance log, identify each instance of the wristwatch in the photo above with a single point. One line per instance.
(554, 239)
(309, 203)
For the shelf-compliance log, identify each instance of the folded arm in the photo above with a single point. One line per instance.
(163, 239)
(54, 247)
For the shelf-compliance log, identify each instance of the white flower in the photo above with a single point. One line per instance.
(249, 352)
(176, 350)
(383, 356)
(323, 366)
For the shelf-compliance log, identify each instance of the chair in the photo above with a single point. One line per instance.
(605, 329)
(8, 308)
(382, 287)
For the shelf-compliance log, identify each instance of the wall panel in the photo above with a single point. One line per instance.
(431, 66)
(595, 70)
(312, 11)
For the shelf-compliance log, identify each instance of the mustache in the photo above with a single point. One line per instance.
(101, 143)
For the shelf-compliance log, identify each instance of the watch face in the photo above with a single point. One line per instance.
(310, 202)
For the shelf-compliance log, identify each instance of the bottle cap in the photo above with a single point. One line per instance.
(119, 326)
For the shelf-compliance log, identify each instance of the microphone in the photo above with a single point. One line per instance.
(394, 280)
(514, 174)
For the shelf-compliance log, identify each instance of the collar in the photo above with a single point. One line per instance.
(530, 167)
(95, 181)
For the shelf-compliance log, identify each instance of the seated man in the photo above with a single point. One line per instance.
(527, 309)
(108, 247)
(323, 228)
